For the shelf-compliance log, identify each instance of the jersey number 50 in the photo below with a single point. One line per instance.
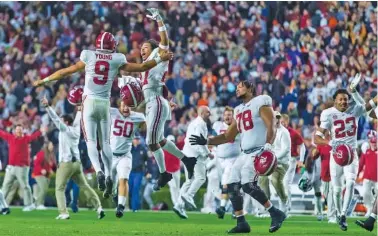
(101, 68)
(246, 118)
(126, 130)
(340, 131)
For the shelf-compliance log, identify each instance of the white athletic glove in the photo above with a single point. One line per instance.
(155, 15)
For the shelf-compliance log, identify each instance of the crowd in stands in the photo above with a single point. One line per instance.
(297, 52)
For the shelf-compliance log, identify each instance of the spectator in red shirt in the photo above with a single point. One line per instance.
(19, 163)
(298, 150)
(44, 162)
(172, 165)
(368, 164)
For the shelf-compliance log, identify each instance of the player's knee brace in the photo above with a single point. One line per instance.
(235, 196)
(224, 189)
(318, 194)
(255, 191)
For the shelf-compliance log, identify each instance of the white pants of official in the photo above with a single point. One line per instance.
(289, 178)
(337, 172)
(121, 168)
(95, 121)
(174, 187)
(213, 190)
(368, 186)
(328, 194)
(191, 186)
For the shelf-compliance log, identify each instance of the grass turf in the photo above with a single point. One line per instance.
(157, 223)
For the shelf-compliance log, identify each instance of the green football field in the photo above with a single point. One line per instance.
(155, 223)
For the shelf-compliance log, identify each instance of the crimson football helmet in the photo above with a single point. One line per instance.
(106, 42)
(131, 94)
(75, 95)
(343, 154)
(265, 163)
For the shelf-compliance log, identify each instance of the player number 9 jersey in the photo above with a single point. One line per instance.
(101, 69)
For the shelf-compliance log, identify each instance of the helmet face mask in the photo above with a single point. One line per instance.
(305, 184)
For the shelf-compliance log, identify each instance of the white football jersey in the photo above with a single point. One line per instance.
(342, 125)
(153, 79)
(227, 150)
(101, 69)
(123, 130)
(251, 127)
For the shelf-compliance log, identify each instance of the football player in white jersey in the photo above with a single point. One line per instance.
(124, 125)
(255, 121)
(157, 107)
(341, 121)
(226, 155)
(101, 68)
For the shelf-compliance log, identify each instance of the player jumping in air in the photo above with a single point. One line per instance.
(157, 107)
(101, 68)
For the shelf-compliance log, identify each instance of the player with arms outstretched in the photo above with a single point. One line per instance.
(157, 107)
(124, 125)
(255, 121)
(341, 121)
(101, 68)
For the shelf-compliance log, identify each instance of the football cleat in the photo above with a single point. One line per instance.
(119, 211)
(240, 228)
(189, 201)
(101, 181)
(164, 178)
(343, 224)
(221, 211)
(63, 217)
(109, 187)
(5, 211)
(277, 219)
(367, 224)
(189, 163)
(180, 212)
(100, 213)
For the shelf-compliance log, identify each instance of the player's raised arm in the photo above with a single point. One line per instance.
(60, 74)
(226, 137)
(134, 67)
(164, 40)
(267, 115)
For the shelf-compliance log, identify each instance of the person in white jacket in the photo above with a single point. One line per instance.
(69, 162)
(196, 127)
(281, 147)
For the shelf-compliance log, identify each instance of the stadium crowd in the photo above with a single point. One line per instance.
(297, 52)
